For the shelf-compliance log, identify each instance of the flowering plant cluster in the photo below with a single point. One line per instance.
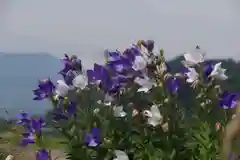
(129, 108)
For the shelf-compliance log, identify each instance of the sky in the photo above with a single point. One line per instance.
(87, 27)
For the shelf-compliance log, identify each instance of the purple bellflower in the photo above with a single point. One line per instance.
(228, 100)
(23, 119)
(27, 138)
(44, 90)
(93, 139)
(42, 155)
(173, 84)
(70, 63)
(37, 124)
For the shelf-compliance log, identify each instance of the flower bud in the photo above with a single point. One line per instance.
(218, 126)
(139, 43)
(160, 84)
(147, 114)
(161, 52)
(96, 110)
(179, 75)
(166, 100)
(161, 68)
(65, 101)
(134, 112)
(208, 101)
(199, 96)
(99, 102)
(107, 141)
(167, 76)
(165, 127)
(203, 104)
(217, 86)
(195, 84)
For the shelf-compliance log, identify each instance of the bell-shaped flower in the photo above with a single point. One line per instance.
(80, 81)
(192, 59)
(44, 90)
(76, 63)
(23, 119)
(27, 138)
(146, 83)
(120, 155)
(67, 65)
(228, 100)
(191, 75)
(112, 56)
(42, 155)
(218, 72)
(61, 88)
(70, 75)
(139, 63)
(37, 124)
(119, 112)
(173, 84)
(149, 45)
(207, 69)
(93, 139)
(131, 53)
(153, 115)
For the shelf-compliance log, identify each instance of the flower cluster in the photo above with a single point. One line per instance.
(32, 133)
(128, 108)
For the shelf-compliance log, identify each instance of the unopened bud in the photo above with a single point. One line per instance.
(203, 104)
(162, 68)
(160, 84)
(167, 76)
(195, 83)
(166, 100)
(208, 101)
(179, 75)
(107, 141)
(161, 52)
(217, 86)
(96, 110)
(199, 96)
(218, 126)
(165, 127)
(139, 44)
(134, 112)
(99, 102)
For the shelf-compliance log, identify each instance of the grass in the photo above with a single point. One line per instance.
(9, 144)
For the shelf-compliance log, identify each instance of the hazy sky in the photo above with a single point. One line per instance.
(86, 27)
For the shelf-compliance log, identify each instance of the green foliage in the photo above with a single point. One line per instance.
(175, 119)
